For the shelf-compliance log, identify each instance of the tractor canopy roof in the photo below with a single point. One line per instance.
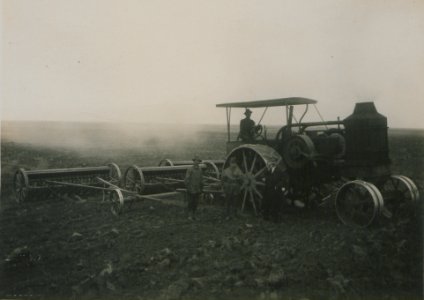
(269, 103)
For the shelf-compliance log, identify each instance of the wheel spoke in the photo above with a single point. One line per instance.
(252, 199)
(243, 186)
(253, 163)
(244, 162)
(130, 179)
(260, 172)
(244, 200)
(257, 192)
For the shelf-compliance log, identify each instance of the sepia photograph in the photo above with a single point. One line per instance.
(212, 149)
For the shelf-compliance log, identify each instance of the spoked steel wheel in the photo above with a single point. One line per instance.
(211, 169)
(253, 161)
(20, 186)
(114, 174)
(117, 201)
(358, 203)
(134, 180)
(400, 193)
(166, 162)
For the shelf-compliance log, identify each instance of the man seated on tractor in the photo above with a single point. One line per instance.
(247, 128)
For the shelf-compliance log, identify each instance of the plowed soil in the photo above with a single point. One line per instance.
(69, 247)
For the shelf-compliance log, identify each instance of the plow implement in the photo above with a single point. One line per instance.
(151, 180)
(138, 183)
(31, 184)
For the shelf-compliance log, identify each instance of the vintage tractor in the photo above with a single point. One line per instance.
(345, 160)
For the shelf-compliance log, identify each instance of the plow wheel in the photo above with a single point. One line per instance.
(117, 201)
(114, 174)
(134, 180)
(253, 160)
(211, 169)
(20, 183)
(166, 163)
(400, 194)
(358, 203)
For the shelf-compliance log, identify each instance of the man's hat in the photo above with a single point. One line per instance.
(197, 158)
(248, 111)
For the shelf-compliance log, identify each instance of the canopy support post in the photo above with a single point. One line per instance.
(263, 114)
(228, 111)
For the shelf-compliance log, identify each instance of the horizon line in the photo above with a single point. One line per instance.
(159, 123)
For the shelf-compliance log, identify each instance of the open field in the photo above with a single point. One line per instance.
(77, 249)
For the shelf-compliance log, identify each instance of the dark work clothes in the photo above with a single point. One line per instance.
(194, 180)
(232, 179)
(192, 202)
(194, 183)
(246, 130)
(275, 180)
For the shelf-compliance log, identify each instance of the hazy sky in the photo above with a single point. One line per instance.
(172, 61)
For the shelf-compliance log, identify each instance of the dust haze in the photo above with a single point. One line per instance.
(102, 138)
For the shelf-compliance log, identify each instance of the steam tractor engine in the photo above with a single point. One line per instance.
(344, 160)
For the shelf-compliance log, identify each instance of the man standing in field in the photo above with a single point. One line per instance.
(194, 183)
(247, 126)
(232, 179)
(276, 185)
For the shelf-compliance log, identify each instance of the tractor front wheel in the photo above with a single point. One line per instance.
(358, 203)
